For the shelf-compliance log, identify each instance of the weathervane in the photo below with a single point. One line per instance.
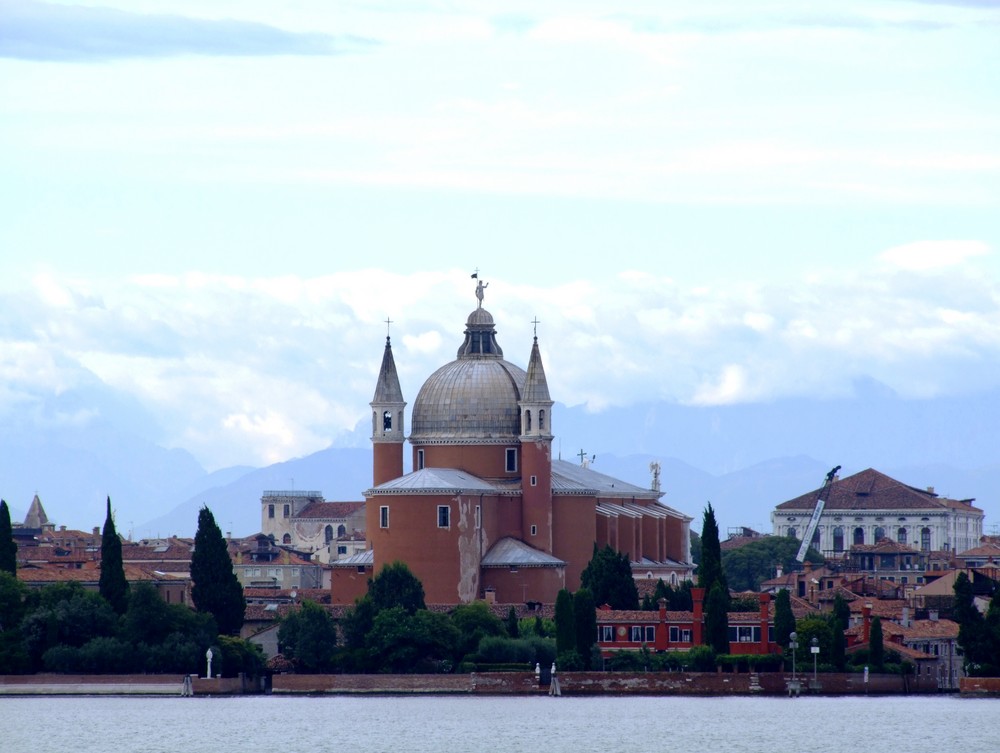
(480, 287)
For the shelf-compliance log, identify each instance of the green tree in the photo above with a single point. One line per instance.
(746, 567)
(422, 642)
(13, 656)
(784, 620)
(585, 622)
(717, 620)
(215, 588)
(695, 547)
(512, 624)
(474, 622)
(710, 568)
(396, 586)
(565, 623)
(876, 646)
(8, 547)
(608, 576)
(973, 630)
(66, 615)
(112, 584)
(308, 637)
(840, 618)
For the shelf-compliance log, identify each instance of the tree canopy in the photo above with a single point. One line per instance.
(752, 563)
(396, 586)
(710, 569)
(608, 577)
(215, 588)
(112, 585)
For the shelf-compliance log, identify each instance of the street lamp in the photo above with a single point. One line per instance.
(793, 643)
(815, 652)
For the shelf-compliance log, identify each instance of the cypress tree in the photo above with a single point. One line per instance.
(214, 586)
(565, 623)
(784, 620)
(717, 620)
(112, 584)
(876, 645)
(8, 547)
(710, 567)
(585, 619)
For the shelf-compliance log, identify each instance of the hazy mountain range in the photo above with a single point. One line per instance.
(745, 459)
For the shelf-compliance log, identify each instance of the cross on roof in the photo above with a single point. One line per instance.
(388, 321)
(535, 322)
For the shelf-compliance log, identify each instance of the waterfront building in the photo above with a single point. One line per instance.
(487, 512)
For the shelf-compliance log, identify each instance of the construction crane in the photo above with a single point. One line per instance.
(817, 512)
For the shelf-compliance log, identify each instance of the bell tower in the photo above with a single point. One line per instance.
(536, 454)
(387, 422)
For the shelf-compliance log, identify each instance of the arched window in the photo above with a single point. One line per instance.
(286, 539)
(793, 532)
(901, 535)
(925, 539)
(838, 539)
(673, 579)
(879, 534)
(387, 420)
(341, 530)
(527, 421)
(859, 536)
(374, 423)
(541, 420)
(328, 532)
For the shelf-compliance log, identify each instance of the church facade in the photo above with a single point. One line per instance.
(486, 512)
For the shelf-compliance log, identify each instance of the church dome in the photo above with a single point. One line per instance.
(475, 397)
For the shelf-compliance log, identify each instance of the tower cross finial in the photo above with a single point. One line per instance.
(535, 322)
(388, 322)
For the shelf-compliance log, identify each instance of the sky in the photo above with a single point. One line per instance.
(212, 209)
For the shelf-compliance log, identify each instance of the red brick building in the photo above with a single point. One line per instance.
(487, 512)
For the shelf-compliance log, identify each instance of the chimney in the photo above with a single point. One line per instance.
(97, 531)
(932, 615)
(697, 599)
(930, 489)
(779, 572)
(807, 566)
(866, 617)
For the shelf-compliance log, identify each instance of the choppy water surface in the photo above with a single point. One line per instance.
(509, 724)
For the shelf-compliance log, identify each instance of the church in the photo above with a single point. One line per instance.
(486, 512)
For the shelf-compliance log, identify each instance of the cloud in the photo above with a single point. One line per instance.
(44, 31)
(241, 369)
(927, 255)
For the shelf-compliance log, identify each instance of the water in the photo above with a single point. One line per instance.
(405, 724)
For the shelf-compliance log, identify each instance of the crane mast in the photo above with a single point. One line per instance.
(817, 513)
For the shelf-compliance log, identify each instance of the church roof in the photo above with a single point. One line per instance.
(387, 389)
(570, 478)
(475, 397)
(433, 481)
(511, 552)
(36, 517)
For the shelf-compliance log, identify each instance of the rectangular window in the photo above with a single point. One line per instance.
(361, 569)
(479, 517)
(288, 510)
(534, 480)
(511, 459)
(256, 572)
(444, 516)
(420, 460)
(675, 634)
(270, 511)
(650, 634)
(607, 633)
(733, 634)
(685, 636)
(341, 549)
(770, 633)
(248, 572)
(635, 634)
(534, 530)
(295, 572)
(383, 516)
